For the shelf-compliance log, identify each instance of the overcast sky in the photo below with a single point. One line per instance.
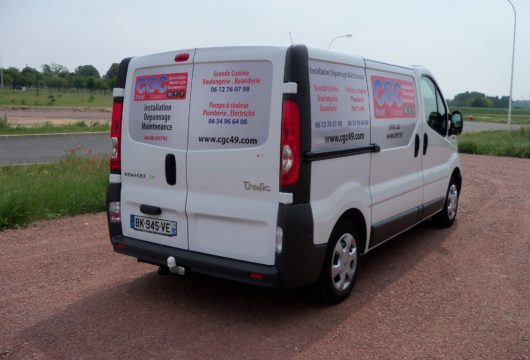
(467, 44)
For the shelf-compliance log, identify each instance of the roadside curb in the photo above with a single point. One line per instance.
(7, 136)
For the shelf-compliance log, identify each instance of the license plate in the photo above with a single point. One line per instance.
(154, 226)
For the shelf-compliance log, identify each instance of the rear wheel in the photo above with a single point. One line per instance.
(340, 266)
(447, 216)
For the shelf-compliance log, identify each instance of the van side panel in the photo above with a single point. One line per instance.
(339, 122)
(396, 180)
(344, 186)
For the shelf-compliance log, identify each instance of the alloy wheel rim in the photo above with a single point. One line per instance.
(452, 201)
(344, 262)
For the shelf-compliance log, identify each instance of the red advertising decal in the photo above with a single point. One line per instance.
(393, 98)
(161, 87)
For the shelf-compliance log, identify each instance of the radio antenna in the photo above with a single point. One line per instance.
(290, 37)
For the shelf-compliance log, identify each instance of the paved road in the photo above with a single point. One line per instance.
(45, 148)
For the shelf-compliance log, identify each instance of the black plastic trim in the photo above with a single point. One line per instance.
(394, 225)
(211, 265)
(300, 261)
(432, 207)
(122, 73)
(113, 194)
(310, 156)
(387, 228)
(297, 71)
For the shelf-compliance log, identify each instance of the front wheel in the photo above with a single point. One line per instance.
(339, 272)
(447, 216)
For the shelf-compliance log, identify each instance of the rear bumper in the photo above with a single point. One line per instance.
(298, 265)
(229, 269)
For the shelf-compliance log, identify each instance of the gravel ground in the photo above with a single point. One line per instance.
(458, 293)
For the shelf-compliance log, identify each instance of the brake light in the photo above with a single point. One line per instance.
(290, 148)
(115, 135)
(182, 57)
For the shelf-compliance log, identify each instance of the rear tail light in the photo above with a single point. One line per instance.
(114, 212)
(115, 135)
(290, 148)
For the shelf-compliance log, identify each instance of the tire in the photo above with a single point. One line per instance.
(341, 264)
(446, 217)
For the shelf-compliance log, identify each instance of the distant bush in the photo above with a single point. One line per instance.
(499, 143)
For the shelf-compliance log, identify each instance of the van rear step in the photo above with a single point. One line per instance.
(211, 265)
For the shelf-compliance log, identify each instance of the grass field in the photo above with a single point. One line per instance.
(48, 128)
(54, 98)
(71, 186)
(495, 115)
(500, 143)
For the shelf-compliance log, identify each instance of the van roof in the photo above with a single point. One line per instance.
(314, 53)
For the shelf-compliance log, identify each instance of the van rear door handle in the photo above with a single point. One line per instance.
(150, 210)
(171, 169)
(425, 143)
(416, 145)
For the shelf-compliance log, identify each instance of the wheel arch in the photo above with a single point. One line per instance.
(457, 175)
(356, 217)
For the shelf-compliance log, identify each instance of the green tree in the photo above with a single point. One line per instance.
(78, 82)
(87, 71)
(31, 76)
(55, 69)
(91, 83)
(111, 75)
(14, 76)
(59, 70)
(481, 101)
(101, 84)
(8, 79)
(55, 82)
(46, 69)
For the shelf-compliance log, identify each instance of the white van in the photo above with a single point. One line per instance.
(275, 166)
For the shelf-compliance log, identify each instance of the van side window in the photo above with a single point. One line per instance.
(433, 106)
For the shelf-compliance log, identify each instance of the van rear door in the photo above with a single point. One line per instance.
(233, 152)
(154, 145)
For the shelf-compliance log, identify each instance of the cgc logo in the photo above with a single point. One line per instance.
(151, 84)
(387, 93)
(161, 87)
(393, 98)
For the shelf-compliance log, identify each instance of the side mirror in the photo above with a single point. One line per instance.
(435, 118)
(457, 123)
